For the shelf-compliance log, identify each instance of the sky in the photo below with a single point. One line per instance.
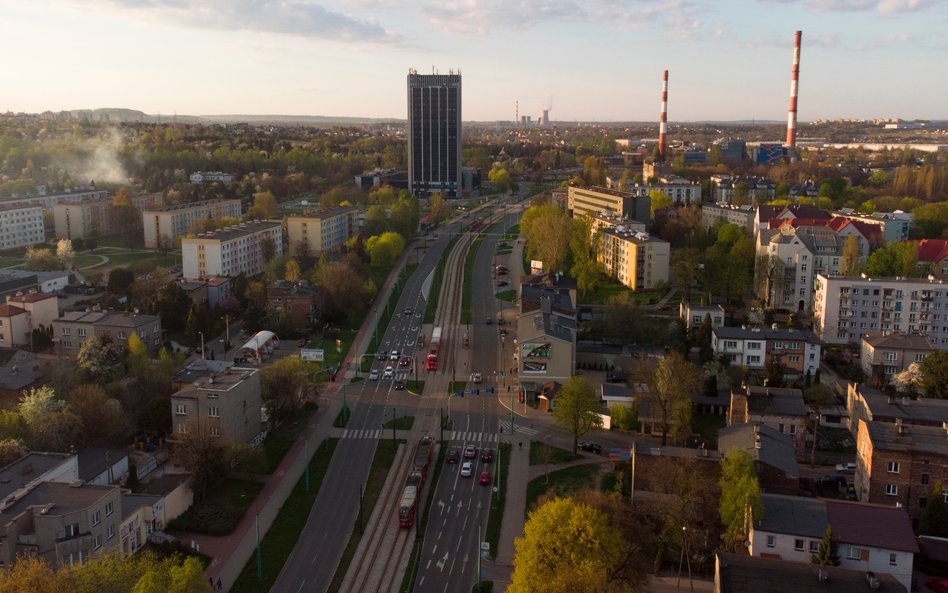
(587, 60)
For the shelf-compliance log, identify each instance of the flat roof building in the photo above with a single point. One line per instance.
(165, 224)
(320, 231)
(231, 251)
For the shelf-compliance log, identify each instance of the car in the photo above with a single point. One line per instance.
(846, 468)
(937, 584)
(374, 375)
(381, 356)
(502, 331)
(487, 455)
(470, 452)
(591, 447)
(502, 283)
(467, 468)
(500, 320)
(407, 311)
(488, 320)
(393, 355)
(485, 478)
(476, 377)
(404, 361)
(665, 308)
(454, 455)
(389, 372)
(502, 272)
(399, 385)
(503, 244)
(301, 343)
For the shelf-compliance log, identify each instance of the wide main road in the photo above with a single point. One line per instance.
(312, 564)
(459, 511)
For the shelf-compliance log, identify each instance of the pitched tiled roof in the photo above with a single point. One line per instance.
(10, 311)
(932, 250)
(871, 525)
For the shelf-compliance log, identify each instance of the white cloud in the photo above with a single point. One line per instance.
(903, 6)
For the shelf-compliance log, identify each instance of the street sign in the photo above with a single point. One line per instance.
(620, 454)
(311, 355)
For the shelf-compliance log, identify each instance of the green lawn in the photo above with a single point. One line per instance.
(608, 289)
(281, 538)
(499, 500)
(561, 483)
(542, 453)
(507, 295)
(221, 511)
(281, 440)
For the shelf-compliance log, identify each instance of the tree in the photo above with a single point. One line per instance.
(343, 286)
(740, 496)
(934, 519)
(98, 357)
(267, 248)
(36, 402)
(281, 384)
(65, 253)
(264, 207)
(594, 171)
(828, 552)
(405, 216)
(41, 260)
(676, 382)
(104, 422)
(385, 249)
(894, 259)
(120, 279)
(202, 453)
(935, 374)
(909, 380)
(587, 274)
(292, 270)
(658, 200)
(773, 372)
(439, 207)
(500, 178)
(930, 221)
(546, 229)
(703, 338)
(11, 450)
(376, 221)
(243, 457)
(575, 409)
(567, 547)
(849, 265)
(621, 417)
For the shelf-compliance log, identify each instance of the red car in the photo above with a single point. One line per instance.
(939, 585)
(485, 481)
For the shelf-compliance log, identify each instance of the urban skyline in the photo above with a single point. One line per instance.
(596, 61)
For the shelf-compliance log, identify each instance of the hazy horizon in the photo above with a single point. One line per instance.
(595, 61)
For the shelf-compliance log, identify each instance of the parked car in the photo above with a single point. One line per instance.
(374, 375)
(487, 455)
(389, 372)
(591, 447)
(485, 478)
(454, 455)
(467, 468)
(470, 452)
(938, 585)
(846, 468)
(301, 343)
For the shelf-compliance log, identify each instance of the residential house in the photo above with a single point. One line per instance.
(738, 573)
(218, 291)
(195, 289)
(75, 327)
(15, 329)
(231, 401)
(301, 303)
(933, 254)
(898, 464)
(872, 538)
(694, 315)
(789, 258)
(884, 355)
(42, 307)
(780, 408)
(774, 454)
(798, 351)
(175, 492)
(22, 475)
(102, 466)
(142, 515)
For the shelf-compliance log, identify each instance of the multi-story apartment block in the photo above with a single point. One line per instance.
(847, 307)
(753, 188)
(596, 200)
(79, 220)
(75, 327)
(48, 200)
(211, 176)
(635, 259)
(887, 354)
(798, 351)
(163, 225)
(874, 539)
(20, 226)
(231, 251)
(434, 133)
(895, 226)
(742, 216)
(898, 464)
(320, 231)
(600, 221)
(788, 259)
(230, 401)
(63, 523)
(681, 191)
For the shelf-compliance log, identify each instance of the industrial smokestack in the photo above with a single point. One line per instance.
(663, 122)
(794, 86)
(517, 111)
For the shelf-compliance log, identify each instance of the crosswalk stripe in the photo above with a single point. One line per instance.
(363, 433)
(505, 426)
(473, 437)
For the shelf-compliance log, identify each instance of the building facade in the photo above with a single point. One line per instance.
(742, 216)
(72, 329)
(798, 351)
(788, 260)
(21, 226)
(434, 134)
(320, 231)
(596, 200)
(163, 225)
(94, 218)
(42, 307)
(210, 177)
(884, 355)
(694, 315)
(299, 302)
(635, 259)
(231, 251)
(847, 307)
(230, 401)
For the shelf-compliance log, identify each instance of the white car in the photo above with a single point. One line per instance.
(389, 372)
(475, 377)
(467, 468)
(394, 355)
(374, 375)
(846, 468)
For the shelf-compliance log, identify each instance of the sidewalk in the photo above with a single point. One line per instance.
(511, 527)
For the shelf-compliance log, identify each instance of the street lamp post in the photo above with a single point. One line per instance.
(203, 357)
(226, 332)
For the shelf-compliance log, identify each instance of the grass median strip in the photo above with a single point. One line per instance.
(499, 500)
(285, 531)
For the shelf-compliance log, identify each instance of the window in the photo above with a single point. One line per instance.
(181, 410)
(793, 429)
(72, 530)
(924, 478)
(814, 546)
(854, 553)
(214, 411)
(893, 467)
(730, 344)
(98, 542)
(922, 502)
(771, 541)
(215, 431)
(108, 509)
(798, 545)
(891, 489)
(753, 345)
(893, 559)
(81, 331)
(110, 533)
(96, 518)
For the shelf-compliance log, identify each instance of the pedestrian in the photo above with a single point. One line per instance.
(520, 444)
(220, 585)
(210, 581)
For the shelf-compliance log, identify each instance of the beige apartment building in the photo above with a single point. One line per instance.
(162, 226)
(595, 200)
(635, 259)
(230, 251)
(21, 225)
(75, 327)
(231, 399)
(80, 220)
(323, 230)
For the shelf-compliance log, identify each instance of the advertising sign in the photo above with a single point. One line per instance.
(535, 357)
(312, 355)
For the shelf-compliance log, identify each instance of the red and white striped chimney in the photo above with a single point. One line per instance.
(663, 121)
(794, 86)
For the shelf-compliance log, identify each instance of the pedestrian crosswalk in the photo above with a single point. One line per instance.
(472, 437)
(520, 428)
(363, 433)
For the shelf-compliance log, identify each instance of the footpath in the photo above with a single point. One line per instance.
(230, 553)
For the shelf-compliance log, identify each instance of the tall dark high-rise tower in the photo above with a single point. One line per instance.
(434, 133)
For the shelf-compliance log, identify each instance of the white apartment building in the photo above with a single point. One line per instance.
(847, 307)
(635, 259)
(680, 191)
(323, 230)
(211, 176)
(21, 226)
(742, 216)
(230, 251)
(47, 201)
(798, 351)
(163, 225)
(788, 261)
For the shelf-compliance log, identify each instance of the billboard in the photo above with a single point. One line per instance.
(535, 357)
(315, 354)
(536, 266)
